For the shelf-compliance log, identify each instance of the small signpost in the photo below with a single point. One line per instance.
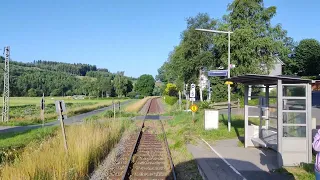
(193, 93)
(61, 109)
(228, 82)
(194, 108)
(42, 105)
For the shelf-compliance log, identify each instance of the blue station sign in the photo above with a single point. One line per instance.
(218, 73)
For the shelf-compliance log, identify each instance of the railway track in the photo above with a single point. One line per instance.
(147, 155)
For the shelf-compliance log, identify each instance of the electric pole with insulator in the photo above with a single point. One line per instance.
(6, 90)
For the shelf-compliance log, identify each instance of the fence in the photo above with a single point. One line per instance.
(224, 105)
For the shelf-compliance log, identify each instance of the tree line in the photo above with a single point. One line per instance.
(255, 43)
(34, 79)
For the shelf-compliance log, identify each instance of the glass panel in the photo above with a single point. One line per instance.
(294, 131)
(294, 118)
(294, 104)
(296, 91)
(273, 112)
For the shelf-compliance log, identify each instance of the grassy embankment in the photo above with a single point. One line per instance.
(181, 130)
(88, 144)
(137, 106)
(12, 144)
(26, 111)
(128, 111)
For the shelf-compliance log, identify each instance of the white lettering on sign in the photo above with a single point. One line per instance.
(193, 91)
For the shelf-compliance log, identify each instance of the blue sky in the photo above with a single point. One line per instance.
(132, 36)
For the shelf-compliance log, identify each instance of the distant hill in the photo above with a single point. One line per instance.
(58, 78)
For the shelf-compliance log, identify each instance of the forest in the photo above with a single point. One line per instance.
(64, 79)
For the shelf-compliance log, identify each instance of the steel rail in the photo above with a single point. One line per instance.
(126, 174)
(167, 147)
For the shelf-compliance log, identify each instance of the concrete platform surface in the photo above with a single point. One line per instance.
(228, 161)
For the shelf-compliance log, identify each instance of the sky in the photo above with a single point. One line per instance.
(123, 35)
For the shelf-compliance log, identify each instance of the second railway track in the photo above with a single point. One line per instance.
(146, 156)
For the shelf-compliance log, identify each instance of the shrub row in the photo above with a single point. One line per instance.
(171, 100)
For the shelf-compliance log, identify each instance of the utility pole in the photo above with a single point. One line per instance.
(6, 90)
(209, 91)
(229, 63)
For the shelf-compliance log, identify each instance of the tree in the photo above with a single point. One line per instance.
(254, 43)
(171, 90)
(307, 57)
(145, 84)
(120, 84)
(32, 92)
(129, 87)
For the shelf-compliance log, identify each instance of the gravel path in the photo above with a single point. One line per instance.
(109, 162)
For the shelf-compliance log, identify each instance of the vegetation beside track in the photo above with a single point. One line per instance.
(137, 106)
(182, 130)
(88, 144)
(26, 111)
(12, 144)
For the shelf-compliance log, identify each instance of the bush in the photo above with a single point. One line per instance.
(204, 105)
(171, 100)
(132, 94)
(110, 114)
(171, 90)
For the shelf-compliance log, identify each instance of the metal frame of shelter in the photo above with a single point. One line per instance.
(286, 125)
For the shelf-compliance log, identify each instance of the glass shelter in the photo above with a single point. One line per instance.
(284, 124)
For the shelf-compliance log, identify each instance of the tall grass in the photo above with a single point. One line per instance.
(87, 143)
(135, 107)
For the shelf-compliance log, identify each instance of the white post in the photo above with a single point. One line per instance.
(246, 118)
(200, 86)
(267, 107)
(250, 89)
(180, 101)
(229, 89)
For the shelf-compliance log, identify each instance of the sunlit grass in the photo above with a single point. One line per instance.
(11, 144)
(87, 144)
(136, 107)
(30, 114)
(19, 101)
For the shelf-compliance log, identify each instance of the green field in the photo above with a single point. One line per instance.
(20, 101)
(26, 110)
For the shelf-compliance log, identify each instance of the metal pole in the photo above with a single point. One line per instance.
(180, 101)
(6, 90)
(229, 105)
(62, 126)
(42, 110)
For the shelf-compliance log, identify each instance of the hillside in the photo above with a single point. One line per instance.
(58, 79)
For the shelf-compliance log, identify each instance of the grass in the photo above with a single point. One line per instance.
(88, 143)
(137, 106)
(11, 144)
(20, 101)
(106, 115)
(21, 115)
(182, 130)
(20, 139)
(303, 172)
